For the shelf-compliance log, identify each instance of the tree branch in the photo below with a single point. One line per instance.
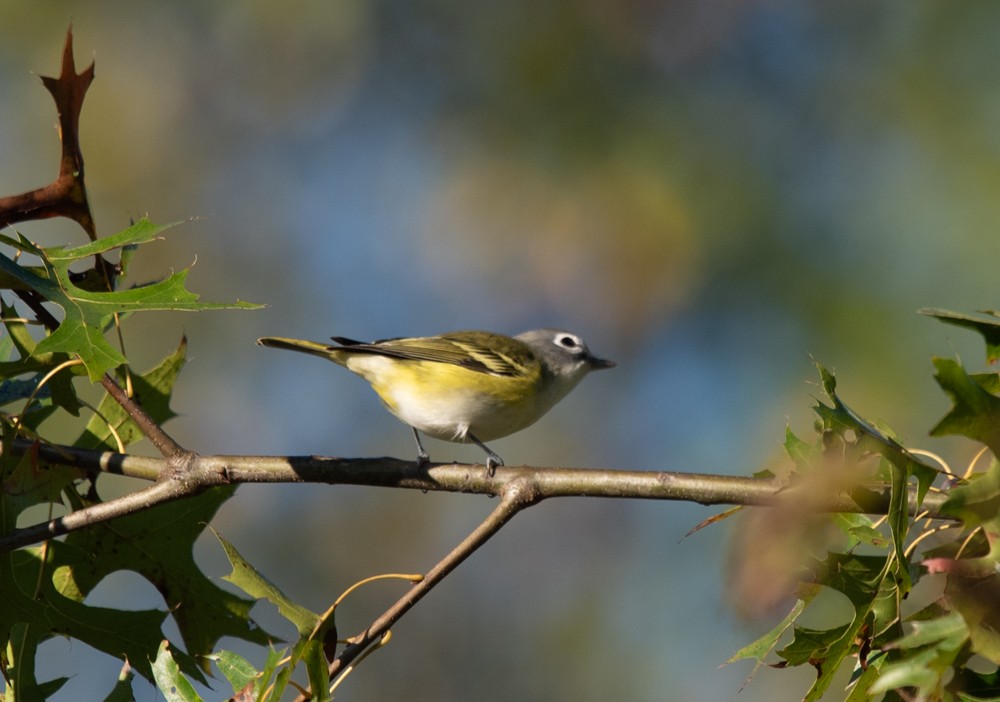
(188, 473)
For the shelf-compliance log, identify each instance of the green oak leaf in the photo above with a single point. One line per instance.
(157, 544)
(169, 678)
(86, 312)
(25, 482)
(59, 386)
(242, 676)
(975, 412)
(801, 453)
(313, 631)
(868, 437)
(898, 465)
(934, 645)
(987, 323)
(247, 578)
(977, 503)
(762, 647)
(869, 583)
(35, 609)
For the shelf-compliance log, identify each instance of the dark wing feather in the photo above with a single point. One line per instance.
(344, 341)
(478, 351)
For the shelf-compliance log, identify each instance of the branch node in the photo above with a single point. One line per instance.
(522, 491)
(183, 468)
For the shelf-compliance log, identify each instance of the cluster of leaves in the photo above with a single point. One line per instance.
(58, 307)
(56, 310)
(44, 588)
(942, 646)
(314, 647)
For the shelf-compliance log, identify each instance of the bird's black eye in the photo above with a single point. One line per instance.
(567, 342)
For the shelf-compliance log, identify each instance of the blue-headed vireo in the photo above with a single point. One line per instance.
(464, 386)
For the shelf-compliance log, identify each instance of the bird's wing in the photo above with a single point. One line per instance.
(478, 351)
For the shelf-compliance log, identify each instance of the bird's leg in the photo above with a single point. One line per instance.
(492, 460)
(422, 456)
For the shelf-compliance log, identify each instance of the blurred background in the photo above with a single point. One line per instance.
(708, 192)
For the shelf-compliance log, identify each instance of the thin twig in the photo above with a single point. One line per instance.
(517, 494)
(157, 493)
(163, 442)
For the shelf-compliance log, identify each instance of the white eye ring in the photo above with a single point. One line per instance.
(567, 341)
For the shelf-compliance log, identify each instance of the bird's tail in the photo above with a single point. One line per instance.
(331, 353)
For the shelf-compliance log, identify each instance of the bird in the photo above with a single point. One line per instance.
(463, 386)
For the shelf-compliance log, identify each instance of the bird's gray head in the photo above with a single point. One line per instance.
(563, 352)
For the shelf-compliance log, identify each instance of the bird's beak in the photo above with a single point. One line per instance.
(600, 363)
